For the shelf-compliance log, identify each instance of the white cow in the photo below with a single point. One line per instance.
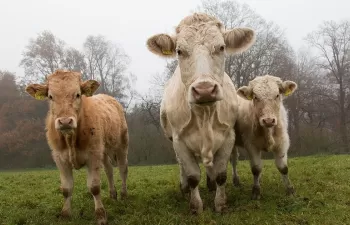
(262, 125)
(199, 105)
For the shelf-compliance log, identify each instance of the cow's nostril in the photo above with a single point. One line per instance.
(194, 90)
(215, 89)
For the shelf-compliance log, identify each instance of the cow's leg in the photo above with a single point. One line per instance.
(123, 172)
(66, 176)
(184, 187)
(219, 173)
(256, 168)
(282, 166)
(234, 162)
(109, 172)
(211, 183)
(94, 185)
(192, 172)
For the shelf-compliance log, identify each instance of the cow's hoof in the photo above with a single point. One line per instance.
(65, 214)
(221, 208)
(196, 207)
(236, 181)
(113, 195)
(256, 193)
(290, 191)
(101, 216)
(123, 195)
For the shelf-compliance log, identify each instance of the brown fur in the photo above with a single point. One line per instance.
(101, 131)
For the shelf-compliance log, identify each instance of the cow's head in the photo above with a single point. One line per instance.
(200, 44)
(266, 93)
(64, 90)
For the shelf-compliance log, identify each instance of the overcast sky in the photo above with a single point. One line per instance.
(129, 23)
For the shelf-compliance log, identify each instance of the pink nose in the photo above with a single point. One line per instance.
(65, 123)
(269, 122)
(204, 92)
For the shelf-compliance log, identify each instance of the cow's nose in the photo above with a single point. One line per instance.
(269, 122)
(204, 92)
(65, 123)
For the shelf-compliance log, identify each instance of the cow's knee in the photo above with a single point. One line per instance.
(256, 170)
(66, 192)
(283, 170)
(221, 178)
(95, 190)
(193, 181)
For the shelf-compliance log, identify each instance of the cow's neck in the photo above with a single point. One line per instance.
(71, 139)
(204, 113)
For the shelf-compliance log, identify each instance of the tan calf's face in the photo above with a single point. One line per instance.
(267, 93)
(201, 44)
(64, 91)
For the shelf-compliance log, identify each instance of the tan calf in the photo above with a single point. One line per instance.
(262, 125)
(83, 129)
(199, 105)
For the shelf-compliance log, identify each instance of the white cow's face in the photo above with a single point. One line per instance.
(201, 44)
(267, 93)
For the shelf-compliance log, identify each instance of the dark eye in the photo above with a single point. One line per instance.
(222, 48)
(78, 95)
(179, 52)
(50, 97)
(277, 96)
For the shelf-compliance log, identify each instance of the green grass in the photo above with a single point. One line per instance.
(322, 185)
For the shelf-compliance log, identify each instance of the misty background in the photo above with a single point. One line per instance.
(304, 41)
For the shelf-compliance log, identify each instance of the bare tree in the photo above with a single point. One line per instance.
(42, 56)
(75, 60)
(332, 42)
(108, 63)
(262, 57)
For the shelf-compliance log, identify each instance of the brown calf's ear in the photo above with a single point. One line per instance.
(239, 39)
(162, 45)
(288, 87)
(89, 87)
(245, 92)
(37, 91)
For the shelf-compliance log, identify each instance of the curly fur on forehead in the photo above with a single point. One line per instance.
(265, 85)
(64, 75)
(197, 20)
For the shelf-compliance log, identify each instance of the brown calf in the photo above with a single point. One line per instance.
(84, 130)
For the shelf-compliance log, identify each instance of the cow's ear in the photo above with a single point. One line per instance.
(245, 92)
(239, 40)
(288, 87)
(37, 91)
(162, 45)
(89, 87)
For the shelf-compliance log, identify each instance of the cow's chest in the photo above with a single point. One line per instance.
(209, 136)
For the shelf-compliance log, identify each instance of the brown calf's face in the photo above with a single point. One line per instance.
(64, 91)
(267, 93)
(200, 45)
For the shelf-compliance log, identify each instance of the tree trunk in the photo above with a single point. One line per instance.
(343, 129)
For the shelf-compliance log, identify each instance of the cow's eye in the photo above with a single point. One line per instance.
(277, 96)
(179, 52)
(50, 97)
(78, 95)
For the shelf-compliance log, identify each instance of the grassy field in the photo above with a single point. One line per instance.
(322, 185)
